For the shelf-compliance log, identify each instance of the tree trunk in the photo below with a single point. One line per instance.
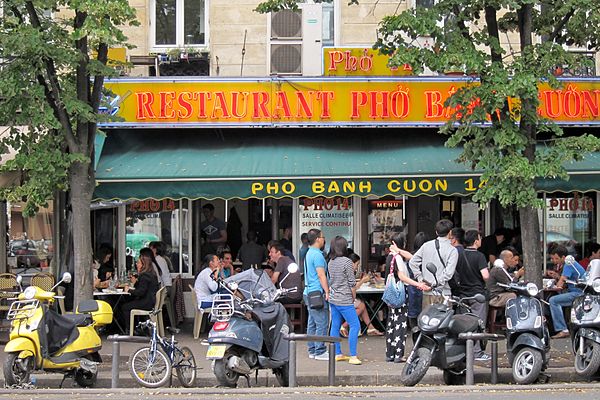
(530, 238)
(81, 180)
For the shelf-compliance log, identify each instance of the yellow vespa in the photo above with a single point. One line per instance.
(43, 340)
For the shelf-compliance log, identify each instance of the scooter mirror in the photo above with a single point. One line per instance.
(66, 278)
(479, 298)
(233, 286)
(19, 279)
(292, 268)
(431, 268)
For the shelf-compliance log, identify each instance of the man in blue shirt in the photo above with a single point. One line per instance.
(571, 270)
(315, 279)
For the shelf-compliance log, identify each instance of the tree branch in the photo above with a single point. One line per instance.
(96, 94)
(561, 25)
(82, 84)
(491, 20)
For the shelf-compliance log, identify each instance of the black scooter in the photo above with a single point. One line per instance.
(527, 336)
(585, 323)
(436, 339)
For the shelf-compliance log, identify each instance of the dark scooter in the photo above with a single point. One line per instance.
(585, 323)
(436, 339)
(527, 336)
(249, 328)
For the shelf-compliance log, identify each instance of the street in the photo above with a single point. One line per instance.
(499, 392)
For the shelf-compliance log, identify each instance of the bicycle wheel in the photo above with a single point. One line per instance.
(185, 366)
(150, 369)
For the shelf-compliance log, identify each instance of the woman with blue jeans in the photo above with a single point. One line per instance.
(341, 298)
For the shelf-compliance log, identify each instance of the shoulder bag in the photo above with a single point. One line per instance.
(315, 298)
(394, 294)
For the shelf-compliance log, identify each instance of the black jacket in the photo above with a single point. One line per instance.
(144, 294)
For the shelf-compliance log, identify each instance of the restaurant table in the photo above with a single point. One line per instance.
(117, 296)
(368, 292)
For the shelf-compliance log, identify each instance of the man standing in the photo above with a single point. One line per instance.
(294, 280)
(251, 253)
(215, 229)
(443, 255)
(571, 270)
(473, 273)
(491, 245)
(286, 240)
(499, 274)
(315, 279)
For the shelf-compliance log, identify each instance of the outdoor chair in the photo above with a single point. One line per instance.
(198, 315)
(158, 319)
(43, 280)
(8, 285)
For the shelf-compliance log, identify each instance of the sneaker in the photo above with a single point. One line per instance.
(311, 355)
(483, 357)
(561, 334)
(341, 357)
(322, 356)
(354, 360)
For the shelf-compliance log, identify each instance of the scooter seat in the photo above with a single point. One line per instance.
(79, 319)
(463, 323)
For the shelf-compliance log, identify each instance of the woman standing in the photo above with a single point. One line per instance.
(341, 298)
(143, 296)
(397, 321)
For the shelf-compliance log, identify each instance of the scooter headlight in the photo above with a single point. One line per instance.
(532, 289)
(434, 322)
(425, 319)
(596, 285)
(29, 293)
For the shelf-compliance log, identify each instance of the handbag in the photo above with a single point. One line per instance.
(394, 294)
(315, 298)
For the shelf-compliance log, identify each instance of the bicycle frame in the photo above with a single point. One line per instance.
(169, 347)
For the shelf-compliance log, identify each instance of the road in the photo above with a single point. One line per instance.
(500, 392)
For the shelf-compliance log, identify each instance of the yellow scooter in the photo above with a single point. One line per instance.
(43, 340)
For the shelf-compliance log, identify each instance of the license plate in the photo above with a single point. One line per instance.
(215, 352)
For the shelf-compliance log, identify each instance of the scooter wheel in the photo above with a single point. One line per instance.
(17, 371)
(413, 372)
(527, 366)
(224, 375)
(587, 364)
(85, 378)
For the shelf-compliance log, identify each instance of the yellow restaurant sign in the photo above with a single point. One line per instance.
(359, 61)
(244, 102)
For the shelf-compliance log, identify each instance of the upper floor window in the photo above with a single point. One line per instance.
(178, 23)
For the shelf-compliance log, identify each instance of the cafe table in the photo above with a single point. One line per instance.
(114, 298)
(369, 292)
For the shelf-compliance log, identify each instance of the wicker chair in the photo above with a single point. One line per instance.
(43, 280)
(8, 285)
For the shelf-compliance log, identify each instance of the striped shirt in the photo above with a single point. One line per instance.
(341, 281)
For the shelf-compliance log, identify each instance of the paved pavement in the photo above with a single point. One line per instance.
(374, 370)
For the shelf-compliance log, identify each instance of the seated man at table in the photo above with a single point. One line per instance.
(294, 280)
(499, 274)
(571, 270)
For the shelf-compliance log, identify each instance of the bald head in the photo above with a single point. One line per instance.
(509, 258)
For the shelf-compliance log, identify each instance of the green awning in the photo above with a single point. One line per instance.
(261, 163)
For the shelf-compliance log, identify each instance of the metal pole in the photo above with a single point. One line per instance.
(116, 354)
(470, 379)
(494, 379)
(292, 364)
(331, 364)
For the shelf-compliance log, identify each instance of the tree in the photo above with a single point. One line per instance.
(54, 61)
(495, 117)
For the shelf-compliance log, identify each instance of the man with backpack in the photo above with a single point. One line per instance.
(443, 255)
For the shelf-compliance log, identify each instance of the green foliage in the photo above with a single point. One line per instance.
(45, 47)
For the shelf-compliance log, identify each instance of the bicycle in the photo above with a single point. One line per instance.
(151, 366)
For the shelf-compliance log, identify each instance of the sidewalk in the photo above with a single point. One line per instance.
(374, 371)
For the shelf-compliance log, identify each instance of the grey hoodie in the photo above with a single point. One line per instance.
(428, 253)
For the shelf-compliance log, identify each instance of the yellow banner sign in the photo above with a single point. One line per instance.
(359, 61)
(319, 102)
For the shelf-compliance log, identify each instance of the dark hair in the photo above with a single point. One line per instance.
(313, 235)
(208, 206)
(400, 239)
(278, 247)
(146, 252)
(354, 257)
(251, 236)
(420, 238)
(592, 248)
(471, 237)
(226, 251)
(207, 259)
(459, 235)
(339, 248)
(500, 232)
(272, 243)
(443, 227)
(102, 253)
(559, 250)
(304, 236)
(159, 246)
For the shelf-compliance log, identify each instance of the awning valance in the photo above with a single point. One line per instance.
(263, 163)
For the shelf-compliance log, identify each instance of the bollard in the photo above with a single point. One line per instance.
(292, 365)
(494, 378)
(470, 380)
(331, 364)
(116, 355)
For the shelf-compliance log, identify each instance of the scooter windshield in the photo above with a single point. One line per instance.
(254, 281)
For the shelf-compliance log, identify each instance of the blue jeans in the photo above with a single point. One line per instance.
(556, 304)
(348, 314)
(318, 324)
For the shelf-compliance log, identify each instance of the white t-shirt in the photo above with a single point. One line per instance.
(165, 277)
(205, 286)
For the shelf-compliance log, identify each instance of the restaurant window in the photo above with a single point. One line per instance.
(386, 219)
(333, 216)
(571, 221)
(163, 220)
(178, 23)
(30, 248)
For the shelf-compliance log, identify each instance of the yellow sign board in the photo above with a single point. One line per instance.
(359, 61)
(320, 102)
